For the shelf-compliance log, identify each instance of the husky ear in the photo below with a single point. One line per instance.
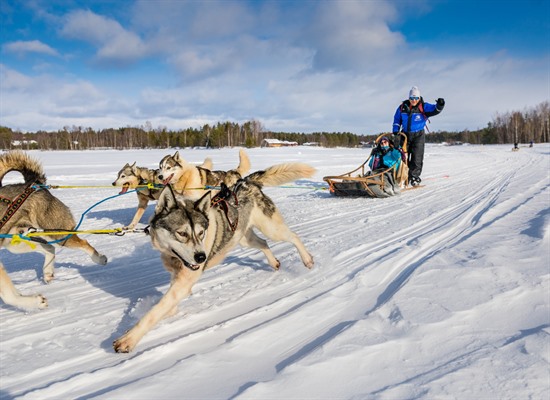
(167, 200)
(203, 204)
(176, 156)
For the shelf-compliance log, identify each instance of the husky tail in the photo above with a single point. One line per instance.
(19, 161)
(207, 164)
(244, 163)
(281, 173)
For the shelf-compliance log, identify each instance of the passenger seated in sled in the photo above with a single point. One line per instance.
(388, 173)
(385, 155)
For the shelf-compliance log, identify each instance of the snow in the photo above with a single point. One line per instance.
(439, 293)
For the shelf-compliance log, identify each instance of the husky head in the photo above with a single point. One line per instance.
(179, 226)
(171, 168)
(127, 178)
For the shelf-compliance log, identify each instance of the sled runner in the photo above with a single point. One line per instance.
(380, 183)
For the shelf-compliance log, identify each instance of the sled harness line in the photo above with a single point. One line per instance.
(16, 204)
(34, 235)
(154, 186)
(144, 186)
(52, 232)
(220, 200)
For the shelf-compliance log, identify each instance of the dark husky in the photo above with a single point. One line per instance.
(193, 236)
(23, 207)
(132, 176)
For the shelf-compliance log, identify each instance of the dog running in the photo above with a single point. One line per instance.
(132, 176)
(195, 235)
(30, 206)
(191, 180)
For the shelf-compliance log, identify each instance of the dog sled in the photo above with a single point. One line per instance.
(380, 183)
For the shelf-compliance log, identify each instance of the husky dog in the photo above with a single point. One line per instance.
(190, 180)
(24, 207)
(195, 235)
(131, 176)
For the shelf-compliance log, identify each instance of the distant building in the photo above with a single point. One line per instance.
(277, 143)
(23, 143)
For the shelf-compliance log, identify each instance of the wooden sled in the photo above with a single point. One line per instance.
(362, 182)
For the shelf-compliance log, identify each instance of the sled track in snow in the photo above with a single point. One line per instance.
(242, 301)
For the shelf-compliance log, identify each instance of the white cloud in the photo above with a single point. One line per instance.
(32, 46)
(330, 66)
(353, 35)
(115, 44)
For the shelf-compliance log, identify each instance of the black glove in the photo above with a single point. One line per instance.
(440, 103)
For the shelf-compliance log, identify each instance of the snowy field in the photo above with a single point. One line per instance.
(439, 293)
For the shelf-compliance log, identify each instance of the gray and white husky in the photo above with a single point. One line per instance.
(22, 208)
(132, 176)
(195, 235)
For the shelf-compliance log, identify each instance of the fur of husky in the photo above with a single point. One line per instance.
(42, 211)
(193, 236)
(131, 176)
(188, 179)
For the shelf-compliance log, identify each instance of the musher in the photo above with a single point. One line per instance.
(411, 116)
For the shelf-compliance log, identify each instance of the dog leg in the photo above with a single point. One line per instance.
(10, 295)
(250, 239)
(142, 205)
(74, 242)
(276, 229)
(43, 248)
(179, 288)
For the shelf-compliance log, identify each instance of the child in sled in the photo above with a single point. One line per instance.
(385, 155)
(386, 160)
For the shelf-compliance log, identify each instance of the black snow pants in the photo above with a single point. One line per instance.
(416, 142)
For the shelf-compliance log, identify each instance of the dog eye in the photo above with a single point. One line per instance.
(200, 235)
(183, 235)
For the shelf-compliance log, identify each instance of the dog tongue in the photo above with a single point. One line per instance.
(167, 180)
(124, 189)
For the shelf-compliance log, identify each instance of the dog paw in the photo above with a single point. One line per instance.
(124, 344)
(48, 277)
(42, 303)
(309, 262)
(99, 259)
(32, 302)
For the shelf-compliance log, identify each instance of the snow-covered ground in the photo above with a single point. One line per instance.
(439, 293)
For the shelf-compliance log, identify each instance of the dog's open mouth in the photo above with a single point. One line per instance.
(192, 267)
(167, 180)
(124, 188)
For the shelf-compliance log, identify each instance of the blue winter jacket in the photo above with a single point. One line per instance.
(413, 120)
(389, 159)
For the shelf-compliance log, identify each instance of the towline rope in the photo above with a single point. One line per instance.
(158, 187)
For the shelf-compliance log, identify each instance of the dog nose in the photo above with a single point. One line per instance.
(161, 177)
(200, 258)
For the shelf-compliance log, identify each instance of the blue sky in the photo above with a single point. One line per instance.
(295, 66)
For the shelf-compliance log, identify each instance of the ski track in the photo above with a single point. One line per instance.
(240, 302)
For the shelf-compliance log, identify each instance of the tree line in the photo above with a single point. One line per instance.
(532, 124)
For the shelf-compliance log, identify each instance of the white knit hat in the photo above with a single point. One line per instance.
(414, 92)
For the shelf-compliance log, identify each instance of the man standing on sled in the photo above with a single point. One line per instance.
(411, 116)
